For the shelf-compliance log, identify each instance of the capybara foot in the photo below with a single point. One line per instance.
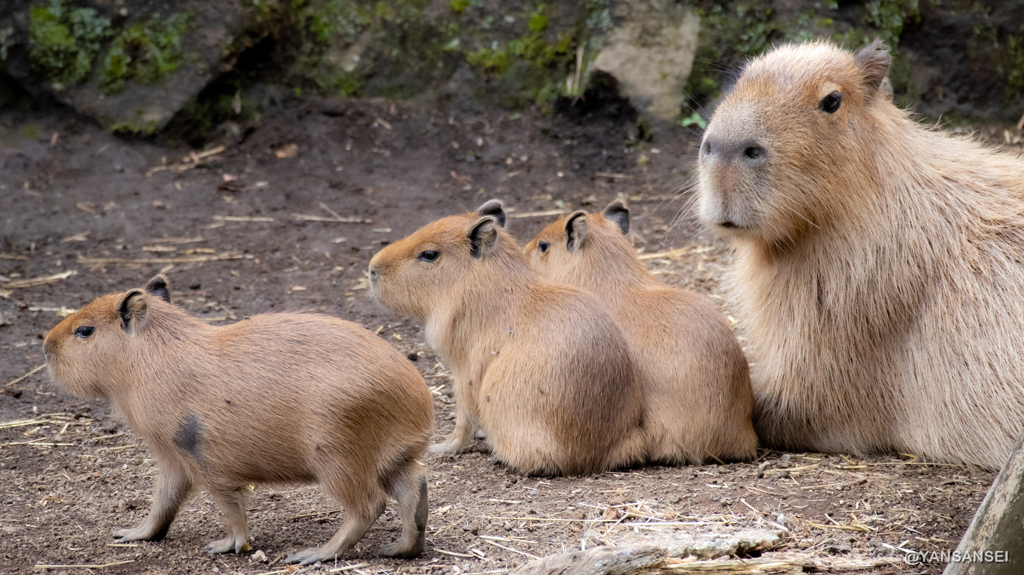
(140, 533)
(402, 550)
(309, 556)
(449, 447)
(236, 544)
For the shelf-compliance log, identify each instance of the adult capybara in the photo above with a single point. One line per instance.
(879, 270)
(541, 369)
(694, 377)
(273, 398)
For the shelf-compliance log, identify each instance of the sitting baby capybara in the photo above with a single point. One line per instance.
(539, 368)
(274, 398)
(878, 271)
(694, 377)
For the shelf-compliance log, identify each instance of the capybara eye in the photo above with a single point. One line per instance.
(427, 256)
(831, 102)
(543, 246)
(84, 331)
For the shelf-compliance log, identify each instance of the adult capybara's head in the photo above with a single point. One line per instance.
(580, 246)
(786, 148)
(429, 268)
(87, 353)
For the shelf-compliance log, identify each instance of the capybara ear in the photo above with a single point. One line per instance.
(158, 287)
(493, 208)
(575, 230)
(873, 61)
(483, 236)
(132, 309)
(618, 213)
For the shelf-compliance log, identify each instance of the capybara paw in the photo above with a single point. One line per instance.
(308, 556)
(135, 534)
(450, 447)
(401, 550)
(237, 545)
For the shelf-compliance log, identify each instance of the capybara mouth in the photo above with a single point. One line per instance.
(729, 225)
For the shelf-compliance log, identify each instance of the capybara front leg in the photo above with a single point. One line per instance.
(411, 492)
(352, 530)
(466, 422)
(172, 488)
(232, 505)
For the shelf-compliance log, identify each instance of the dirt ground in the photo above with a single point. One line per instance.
(237, 233)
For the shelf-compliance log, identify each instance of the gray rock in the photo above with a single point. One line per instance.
(650, 52)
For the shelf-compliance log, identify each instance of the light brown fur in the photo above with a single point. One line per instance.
(694, 377)
(538, 367)
(879, 266)
(273, 398)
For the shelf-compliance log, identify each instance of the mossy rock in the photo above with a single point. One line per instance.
(954, 59)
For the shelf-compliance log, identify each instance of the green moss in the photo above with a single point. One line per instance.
(146, 52)
(64, 41)
(729, 34)
(733, 32)
(29, 131)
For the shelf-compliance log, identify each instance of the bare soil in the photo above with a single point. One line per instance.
(76, 200)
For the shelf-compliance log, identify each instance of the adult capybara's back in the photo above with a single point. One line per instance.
(879, 271)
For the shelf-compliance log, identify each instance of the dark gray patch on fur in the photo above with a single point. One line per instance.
(421, 509)
(190, 436)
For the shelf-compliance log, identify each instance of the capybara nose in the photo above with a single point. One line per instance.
(373, 274)
(747, 152)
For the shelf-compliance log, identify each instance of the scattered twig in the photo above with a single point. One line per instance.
(61, 311)
(530, 555)
(31, 282)
(243, 218)
(12, 382)
(861, 528)
(348, 567)
(317, 514)
(188, 162)
(538, 214)
(104, 565)
(339, 220)
(179, 260)
(454, 554)
(21, 423)
(667, 255)
(613, 175)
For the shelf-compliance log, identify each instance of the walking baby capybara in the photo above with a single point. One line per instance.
(279, 397)
(879, 270)
(694, 377)
(540, 368)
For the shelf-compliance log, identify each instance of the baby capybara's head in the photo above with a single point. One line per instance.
(88, 352)
(580, 247)
(428, 269)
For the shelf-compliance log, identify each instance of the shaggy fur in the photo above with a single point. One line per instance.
(878, 269)
(540, 368)
(273, 398)
(694, 377)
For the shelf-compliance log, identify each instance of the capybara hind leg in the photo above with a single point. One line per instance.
(352, 530)
(411, 492)
(172, 488)
(232, 505)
